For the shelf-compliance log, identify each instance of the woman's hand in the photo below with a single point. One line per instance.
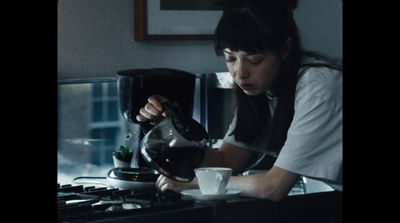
(153, 110)
(164, 183)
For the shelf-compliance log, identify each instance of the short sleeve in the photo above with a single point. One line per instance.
(314, 142)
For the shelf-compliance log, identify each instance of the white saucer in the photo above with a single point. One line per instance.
(196, 194)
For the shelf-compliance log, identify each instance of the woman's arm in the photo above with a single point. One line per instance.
(227, 156)
(273, 184)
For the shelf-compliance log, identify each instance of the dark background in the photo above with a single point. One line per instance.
(191, 5)
(29, 109)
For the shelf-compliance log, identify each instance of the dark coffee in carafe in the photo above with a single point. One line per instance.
(176, 145)
(181, 161)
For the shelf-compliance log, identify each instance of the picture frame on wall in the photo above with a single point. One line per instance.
(176, 19)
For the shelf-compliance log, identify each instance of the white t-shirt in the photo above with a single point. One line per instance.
(313, 147)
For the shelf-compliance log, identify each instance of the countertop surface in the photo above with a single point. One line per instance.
(314, 207)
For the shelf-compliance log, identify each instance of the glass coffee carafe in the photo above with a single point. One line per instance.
(135, 86)
(176, 145)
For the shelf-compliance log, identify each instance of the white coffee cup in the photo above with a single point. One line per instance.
(213, 180)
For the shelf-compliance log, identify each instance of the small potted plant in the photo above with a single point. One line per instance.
(123, 157)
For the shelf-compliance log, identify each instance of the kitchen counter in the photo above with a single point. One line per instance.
(315, 207)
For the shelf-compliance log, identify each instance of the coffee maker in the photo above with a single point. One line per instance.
(135, 86)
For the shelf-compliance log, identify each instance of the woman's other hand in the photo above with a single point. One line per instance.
(153, 110)
(164, 183)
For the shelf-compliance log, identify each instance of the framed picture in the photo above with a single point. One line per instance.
(176, 19)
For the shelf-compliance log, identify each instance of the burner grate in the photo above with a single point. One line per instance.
(80, 203)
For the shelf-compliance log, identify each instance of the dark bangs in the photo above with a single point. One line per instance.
(239, 30)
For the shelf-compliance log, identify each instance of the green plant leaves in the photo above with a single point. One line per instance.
(124, 151)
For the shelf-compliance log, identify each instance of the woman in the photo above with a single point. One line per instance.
(288, 104)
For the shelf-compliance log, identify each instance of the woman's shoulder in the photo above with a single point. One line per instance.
(320, 74)
(320, 77)
(319, 63)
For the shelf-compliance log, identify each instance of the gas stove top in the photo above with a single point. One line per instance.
(79, 203)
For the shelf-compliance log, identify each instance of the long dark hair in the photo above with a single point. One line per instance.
(259, 26)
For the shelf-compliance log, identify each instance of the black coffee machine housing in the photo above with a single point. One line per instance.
(135, 86)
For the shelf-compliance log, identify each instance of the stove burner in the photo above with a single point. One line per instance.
(79, 203)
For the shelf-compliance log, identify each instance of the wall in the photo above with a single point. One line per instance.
(320, 25)
(95, 39)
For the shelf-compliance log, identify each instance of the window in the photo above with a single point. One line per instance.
(90, 128)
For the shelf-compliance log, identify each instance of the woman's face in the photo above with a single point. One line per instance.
(253, 73)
